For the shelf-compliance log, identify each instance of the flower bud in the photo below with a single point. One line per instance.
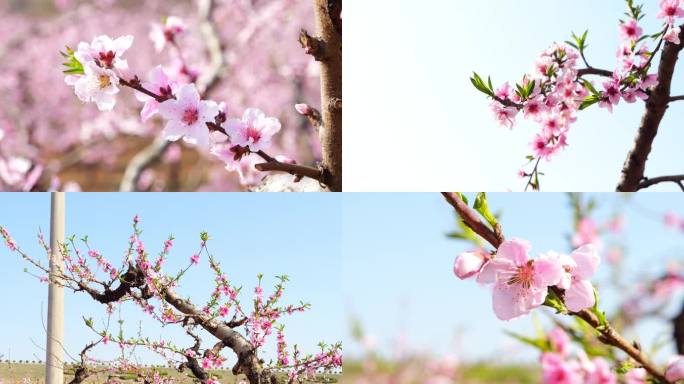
(303, 109)
(468, 264)
(675, 369)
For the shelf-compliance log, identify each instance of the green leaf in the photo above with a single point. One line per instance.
(480, 85)
(595, 309)
(541, 344)
(71, 63)
(482, 207)
(589, 101)
(462, 197)
(590, 87)
(553, 301)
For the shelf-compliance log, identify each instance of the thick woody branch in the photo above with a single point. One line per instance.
(472, 220)
(329, 40)
(677, 179)
(247, 363)
(656, 106)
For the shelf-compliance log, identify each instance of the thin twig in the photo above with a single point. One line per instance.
(677, 179)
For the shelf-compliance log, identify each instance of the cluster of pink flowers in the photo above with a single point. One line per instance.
(555, 91)
(213, 361)
(258, 324)
(99, 68)
(102, 65)
(9, 241)
(167, 33)
(521, 284)
(559, 366)
(552, 99)
(671, 10)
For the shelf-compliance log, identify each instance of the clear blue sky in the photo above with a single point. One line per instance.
(417, 121)
(398, 277)
(294, 234)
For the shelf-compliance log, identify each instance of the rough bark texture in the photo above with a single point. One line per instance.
(656, 106)
(329, 33)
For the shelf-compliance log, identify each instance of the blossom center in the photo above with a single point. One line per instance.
(253, 134)
(107, 59)
(523, 276)
(190, 116)
(104, 81)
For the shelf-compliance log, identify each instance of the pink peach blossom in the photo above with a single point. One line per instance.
(520, 284)
(187, 116)
(469, 264)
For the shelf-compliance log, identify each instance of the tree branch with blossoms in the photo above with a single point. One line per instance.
(520, 284)
(97, 69)
(557, 90)
(141, 279)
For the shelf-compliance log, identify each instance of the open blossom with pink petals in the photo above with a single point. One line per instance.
(672, 35)
(630, 30)
(97, 84)
(159, 83)
(188, 116)
(557, 370)
(243, 165)
(597, 371)
(194, 259)
(578, 267)
(587, 233)
(254, 130)
(520, 284)
(162, 34)
(104, 51)
(670, 9)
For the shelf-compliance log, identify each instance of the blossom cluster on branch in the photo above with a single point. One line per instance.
(140, 278)
(50, 142)
(96, 69)
(557, 89)
(561, 282)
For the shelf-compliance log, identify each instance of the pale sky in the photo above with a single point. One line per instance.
(275, 234)
(413, 121)
(398, 269)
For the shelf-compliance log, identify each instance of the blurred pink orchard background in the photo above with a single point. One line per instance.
(49, 140)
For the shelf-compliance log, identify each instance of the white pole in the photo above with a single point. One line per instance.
(54, 370)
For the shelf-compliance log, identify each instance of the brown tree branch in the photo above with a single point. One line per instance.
(677, 179)
(594, 71)
(656, 106)
(329, 54)
(294, 169)
(472, 220)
